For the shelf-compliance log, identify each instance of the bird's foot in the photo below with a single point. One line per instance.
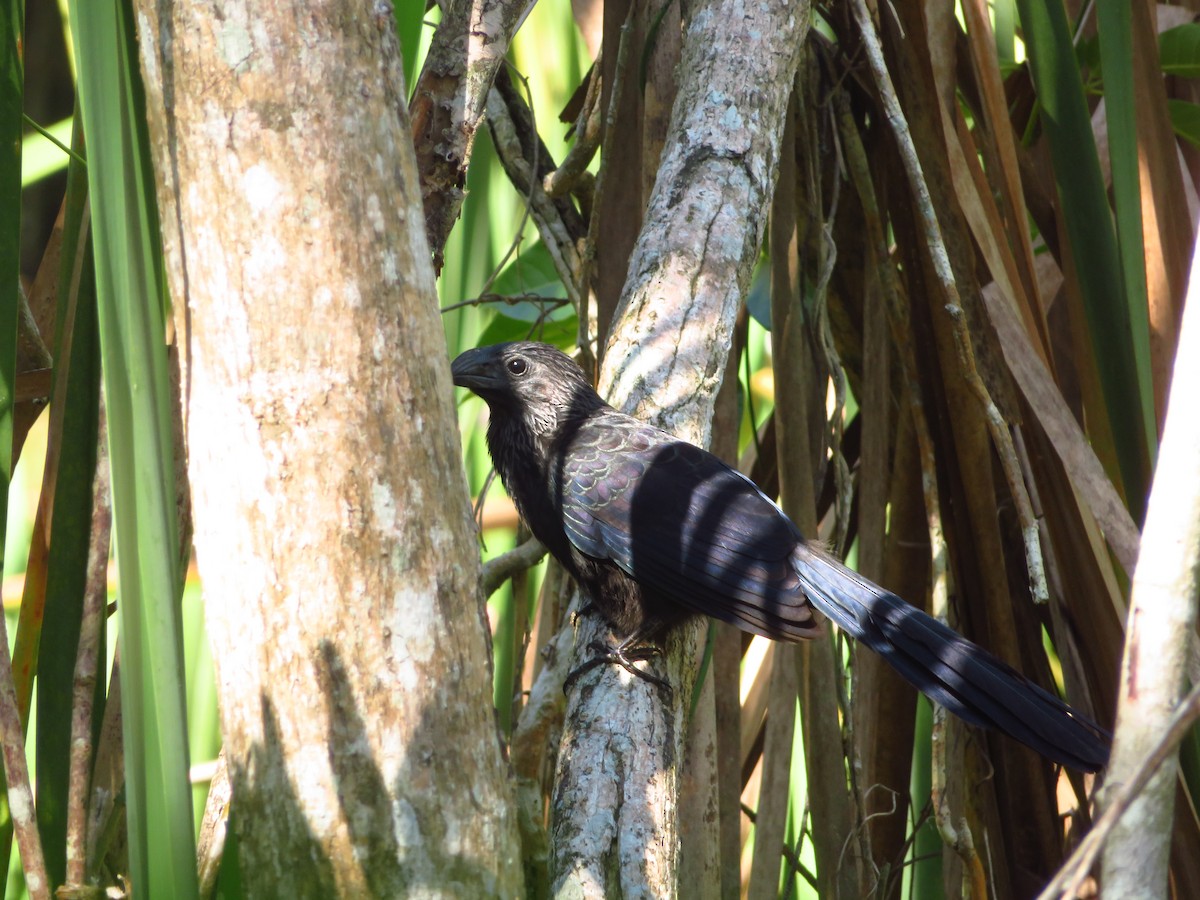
(623, 656)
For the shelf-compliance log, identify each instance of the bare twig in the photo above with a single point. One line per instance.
(20, 792)
(210, 847)
(529, 190)
(827, 259)
(1051, 411)
(86, 667)
(522, 155)
(566, 177)
(836, 810)
(1070, 877)
(106, 813)
(499, 570)
(551, 303)
(1005, 449)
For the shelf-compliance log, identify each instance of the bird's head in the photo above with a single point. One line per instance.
(536, 382)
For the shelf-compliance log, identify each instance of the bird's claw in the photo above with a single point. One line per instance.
(625, 658)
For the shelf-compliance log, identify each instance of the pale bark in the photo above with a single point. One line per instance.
(214, 829)
(615, 829)
(703, 809)
(1161, 628)
(332, 519)
(448, 102)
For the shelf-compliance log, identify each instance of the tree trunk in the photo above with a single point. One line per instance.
(615, 817)
(332, 518)
(1161, 627)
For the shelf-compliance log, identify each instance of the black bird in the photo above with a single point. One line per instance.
(655, 529)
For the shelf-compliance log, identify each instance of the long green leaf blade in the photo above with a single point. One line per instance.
(1116, 52)
(1093, 243)
(11, 101)
(133, 352)
(1179, 50)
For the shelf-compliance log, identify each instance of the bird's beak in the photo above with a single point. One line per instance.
(477, 370)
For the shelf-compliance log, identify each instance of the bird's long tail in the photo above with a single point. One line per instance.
(948, 668)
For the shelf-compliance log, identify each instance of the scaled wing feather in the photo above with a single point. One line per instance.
(684, 525)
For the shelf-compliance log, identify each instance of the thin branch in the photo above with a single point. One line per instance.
(552, 303)
(567, 176)
(902, 339)
(86, 667)
(826, 261)
(1002, 438)
(106, 813)
(210, 847)
(499, 570)
(797, 351)
(528, 191)
(1070, 877)
(523, 156)
(20, 792)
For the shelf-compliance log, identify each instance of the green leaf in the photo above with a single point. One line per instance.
(12, 25)
(1092, 241)
(1116, 47)
(758, 298)
(560, 329)
(530, 275)
(131, 302)
(1179, 50)
(926, 875)
(1185, 119)
(530, 271)
(409, 22)
(1004, 15)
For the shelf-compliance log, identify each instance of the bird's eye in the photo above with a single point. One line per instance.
(518, 366)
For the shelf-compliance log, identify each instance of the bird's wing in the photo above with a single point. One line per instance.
(684, 525)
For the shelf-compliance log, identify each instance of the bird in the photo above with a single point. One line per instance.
(655, 530)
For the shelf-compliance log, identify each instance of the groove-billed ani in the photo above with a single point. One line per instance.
(655, 529)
